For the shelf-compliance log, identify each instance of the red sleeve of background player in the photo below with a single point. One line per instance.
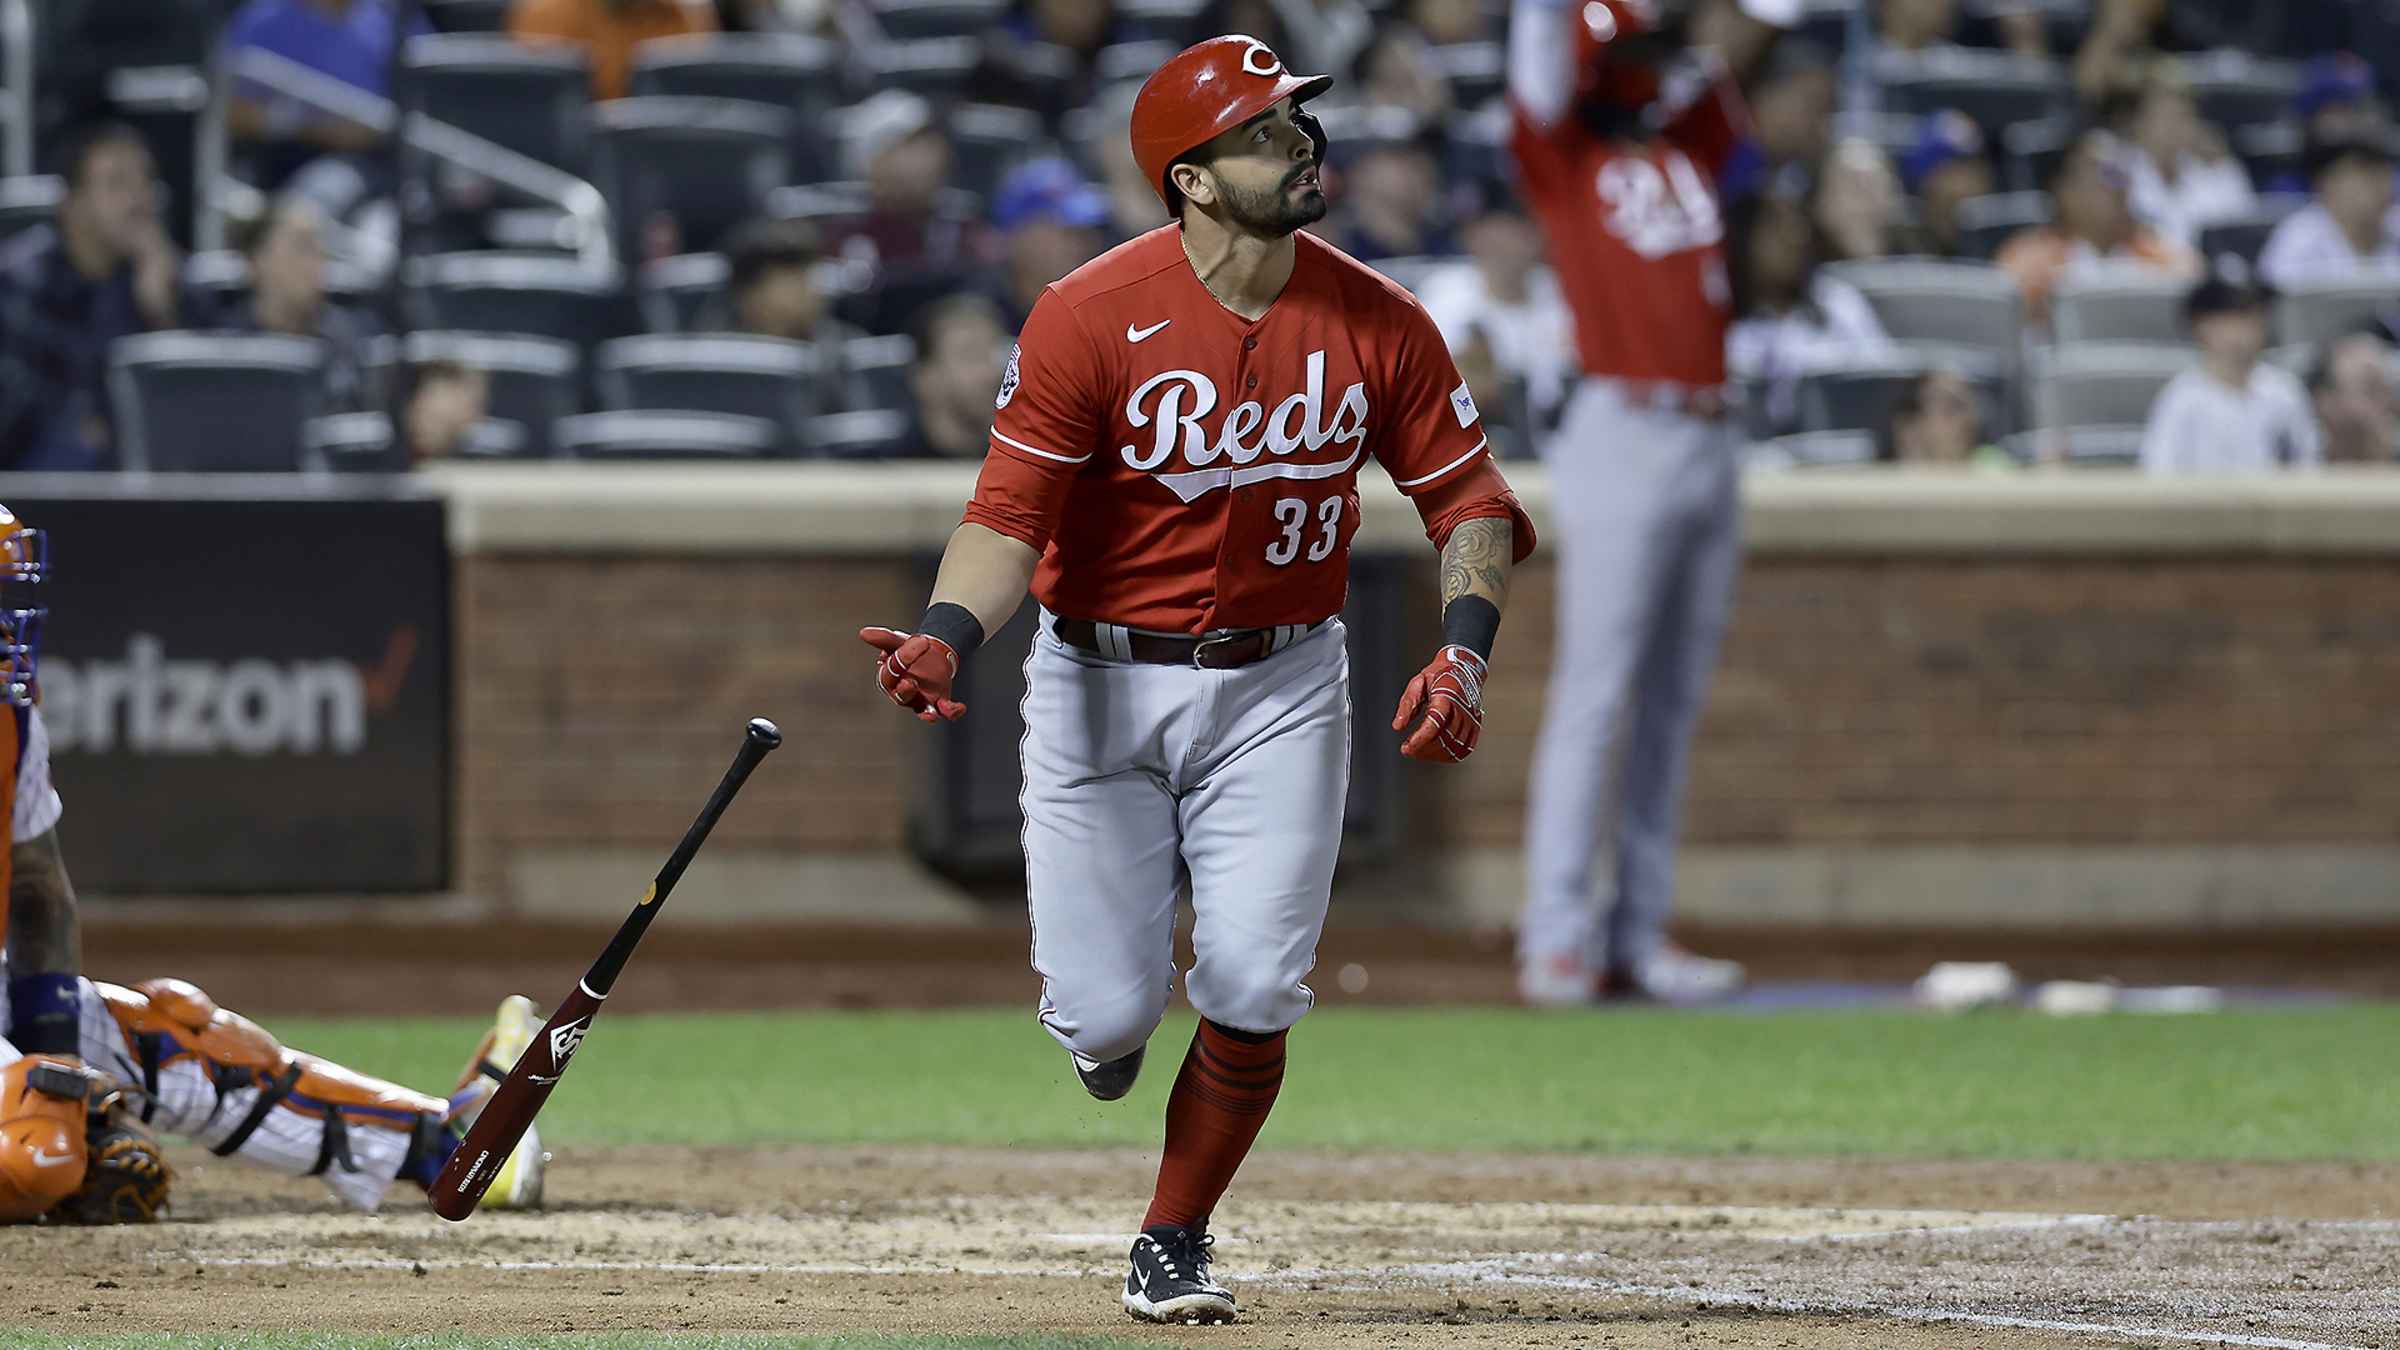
(1430, 438)
(1045, 429)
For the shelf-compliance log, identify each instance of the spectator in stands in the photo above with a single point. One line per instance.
(1948, 164)
(1043, 56)
(2358, 413)
(1108, 150)
(1789, 317)
(895, 144)
(2180, 178)
(353, 41)
(1856, 202)
(2095, 223)
(1050, 220)
(2347, 231)
(442, 408)
(1791, 116)
(286, 250)
(1915, 26)
(1500, 310)
(2337, 98)
(1318, 34)
(103, 270)
(1939, 420)
(961, 348)
(1446, 22)
(2233, 412)
(1397, 70)
(1389, 200)
(609, 30)
(772, 288)
(2122, 33)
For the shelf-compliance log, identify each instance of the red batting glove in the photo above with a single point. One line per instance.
(916, 672)
(1450, 692)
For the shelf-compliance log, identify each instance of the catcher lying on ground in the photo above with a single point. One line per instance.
(89, 1070)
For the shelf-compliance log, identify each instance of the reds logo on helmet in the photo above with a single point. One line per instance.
(1205, 90)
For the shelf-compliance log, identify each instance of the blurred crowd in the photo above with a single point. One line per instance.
(1993, 232)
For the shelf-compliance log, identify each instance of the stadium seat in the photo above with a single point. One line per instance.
(2120, 305)
(934, 68)
(1131, 61)
(1996, 89)
(468, 16)
(2030, 151)
(912, 20)
(2244, 236)
(2102, 383)
(1175, 22)
(542, 294)
(29, 200)
(989, 139)
(1985, 223)
(1477, 71)
(1814, 450)
(530, 99)
(2236, 89)
(763, 377)
(2315, 311)
(676, 291)
(1859, 397)
(2086, 447)
(875, 371)
(708, 163)
(666, 435)
(534, 381)
(167, 105)
(801, 75)
(2270, 151)
(189, 402)
(361, 442)
(870, 433)
(1971, 304)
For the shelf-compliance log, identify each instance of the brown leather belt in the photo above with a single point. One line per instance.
(1223, 650)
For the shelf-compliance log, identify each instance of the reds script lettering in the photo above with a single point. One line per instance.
(1183, 397)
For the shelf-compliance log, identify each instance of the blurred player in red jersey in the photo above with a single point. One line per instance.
(1173, 470)
(1622, 128)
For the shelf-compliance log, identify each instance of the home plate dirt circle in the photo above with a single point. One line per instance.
(1468, 1250)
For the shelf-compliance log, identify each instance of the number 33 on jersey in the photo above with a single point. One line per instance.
(1184, 469)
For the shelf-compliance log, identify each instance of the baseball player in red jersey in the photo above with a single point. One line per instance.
(1621, 130)
(1173, 470)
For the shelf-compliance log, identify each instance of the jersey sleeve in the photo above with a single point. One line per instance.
(1713, 126)
(1432, 441)
(1046, 427)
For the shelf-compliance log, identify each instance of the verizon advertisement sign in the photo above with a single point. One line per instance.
(247, 695)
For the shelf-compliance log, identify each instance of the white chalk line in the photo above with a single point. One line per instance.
(1489, 1270)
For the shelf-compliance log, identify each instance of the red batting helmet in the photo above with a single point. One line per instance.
(1208, 89)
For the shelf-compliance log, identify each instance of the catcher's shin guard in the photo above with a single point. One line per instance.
(284, 1108)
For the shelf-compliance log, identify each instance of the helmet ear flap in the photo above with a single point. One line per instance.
(1313, 129)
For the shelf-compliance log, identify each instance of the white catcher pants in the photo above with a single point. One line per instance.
(1145, 784)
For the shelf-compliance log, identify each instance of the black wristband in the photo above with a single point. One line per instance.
(953, 624)
(1471, 622)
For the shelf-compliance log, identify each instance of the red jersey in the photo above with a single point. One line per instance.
(1184, 469)
(1637, 238)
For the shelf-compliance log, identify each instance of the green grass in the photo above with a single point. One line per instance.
(2285, 1085)
(321, 1340)
(586, 1341)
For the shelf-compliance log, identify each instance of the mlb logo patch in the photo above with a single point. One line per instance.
(1008, 379)
(1463, 403)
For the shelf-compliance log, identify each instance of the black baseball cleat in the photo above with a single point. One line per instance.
(1169, 1281)
(1113, 1079)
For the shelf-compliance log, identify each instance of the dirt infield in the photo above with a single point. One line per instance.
(1347, 1251)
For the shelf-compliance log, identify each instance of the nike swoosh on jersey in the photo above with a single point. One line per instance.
(1133, 334)
(41, 1159)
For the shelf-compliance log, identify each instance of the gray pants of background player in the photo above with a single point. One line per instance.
(1647, 533)
(1148, 783)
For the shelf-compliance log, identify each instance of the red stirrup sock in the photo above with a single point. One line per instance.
(1221, 1098)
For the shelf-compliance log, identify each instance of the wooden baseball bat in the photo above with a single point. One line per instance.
(511, 1110)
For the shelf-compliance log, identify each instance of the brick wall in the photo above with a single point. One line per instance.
(1903, 700)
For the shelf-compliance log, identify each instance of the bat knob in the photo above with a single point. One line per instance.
(764, 733)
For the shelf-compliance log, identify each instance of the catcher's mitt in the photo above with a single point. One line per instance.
(126, 1177)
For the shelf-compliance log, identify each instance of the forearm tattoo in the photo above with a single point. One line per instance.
(1476, 560)
(43, 936)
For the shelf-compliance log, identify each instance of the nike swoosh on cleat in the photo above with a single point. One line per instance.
(1133, 334)
(41, 1159)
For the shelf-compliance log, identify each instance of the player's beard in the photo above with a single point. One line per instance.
(1278, 211)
